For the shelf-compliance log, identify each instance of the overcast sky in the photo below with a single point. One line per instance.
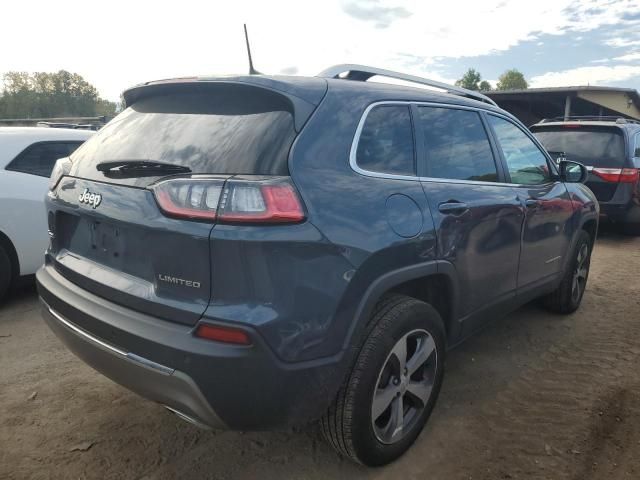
(115, 44)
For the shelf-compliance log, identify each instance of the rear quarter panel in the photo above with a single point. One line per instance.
(301, 286)
(585, 209)
(351, 212)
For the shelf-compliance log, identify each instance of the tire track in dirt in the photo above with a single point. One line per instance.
(613, 445)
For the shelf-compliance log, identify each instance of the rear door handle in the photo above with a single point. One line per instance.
(453, 208)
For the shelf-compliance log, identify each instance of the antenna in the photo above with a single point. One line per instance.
(252, 71)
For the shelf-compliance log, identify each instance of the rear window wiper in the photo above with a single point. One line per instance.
(139, 168)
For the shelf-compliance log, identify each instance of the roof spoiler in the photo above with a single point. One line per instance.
(302, 108)
(363, 73)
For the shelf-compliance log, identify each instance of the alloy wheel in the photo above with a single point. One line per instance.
(404, 386)
(580, 273)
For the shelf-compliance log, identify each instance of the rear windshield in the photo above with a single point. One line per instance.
(226, 130)
(593, 146)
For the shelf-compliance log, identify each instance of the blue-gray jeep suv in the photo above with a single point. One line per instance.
(257, 252)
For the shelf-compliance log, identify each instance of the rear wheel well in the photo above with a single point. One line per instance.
(8, 247)
(435, 290)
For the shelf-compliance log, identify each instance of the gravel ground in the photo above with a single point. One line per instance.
(534, 396)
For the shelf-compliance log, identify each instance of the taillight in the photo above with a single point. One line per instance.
(262, 202)
(629, 175)
(241, 200)
(60, 169)
(618, 175)
(197, 199)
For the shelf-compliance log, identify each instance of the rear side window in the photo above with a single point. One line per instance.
(527, 165)
(386, 141)
(39, 158)
(456, 145)
(222, 129)
(590, 145)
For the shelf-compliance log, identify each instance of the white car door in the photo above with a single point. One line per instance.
(24, 184)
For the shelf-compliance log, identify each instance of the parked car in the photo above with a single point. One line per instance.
(27, 156)
(258, 252)
(610, 148)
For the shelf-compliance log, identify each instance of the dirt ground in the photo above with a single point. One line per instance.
(534, 396)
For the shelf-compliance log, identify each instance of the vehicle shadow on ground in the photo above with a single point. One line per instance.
(611, 231)
(19, 300)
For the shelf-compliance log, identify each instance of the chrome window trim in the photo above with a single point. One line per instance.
(356, 139)
(414, 178)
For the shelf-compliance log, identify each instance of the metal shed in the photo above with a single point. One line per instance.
(534, 104)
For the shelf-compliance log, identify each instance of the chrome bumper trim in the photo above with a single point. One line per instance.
(187, 418)
(130, 356)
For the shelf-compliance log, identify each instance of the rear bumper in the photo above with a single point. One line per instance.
(210, 383)
(165, 385)
(623, 213)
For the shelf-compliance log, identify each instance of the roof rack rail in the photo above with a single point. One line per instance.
(363, 73)
(590, 118)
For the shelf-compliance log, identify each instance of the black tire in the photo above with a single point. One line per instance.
(564, 299)
(348, 425)
(6, 273)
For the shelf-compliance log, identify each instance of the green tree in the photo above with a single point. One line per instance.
(107, 108)
(470, 80)
(485, 86)
(46, 95)
(512, 80)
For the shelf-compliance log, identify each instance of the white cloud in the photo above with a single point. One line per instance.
(120, 43)
(373, 11)
(629, 57)
(622, 42)
(600, 75)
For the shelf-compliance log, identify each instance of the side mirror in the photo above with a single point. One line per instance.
(573, 172)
